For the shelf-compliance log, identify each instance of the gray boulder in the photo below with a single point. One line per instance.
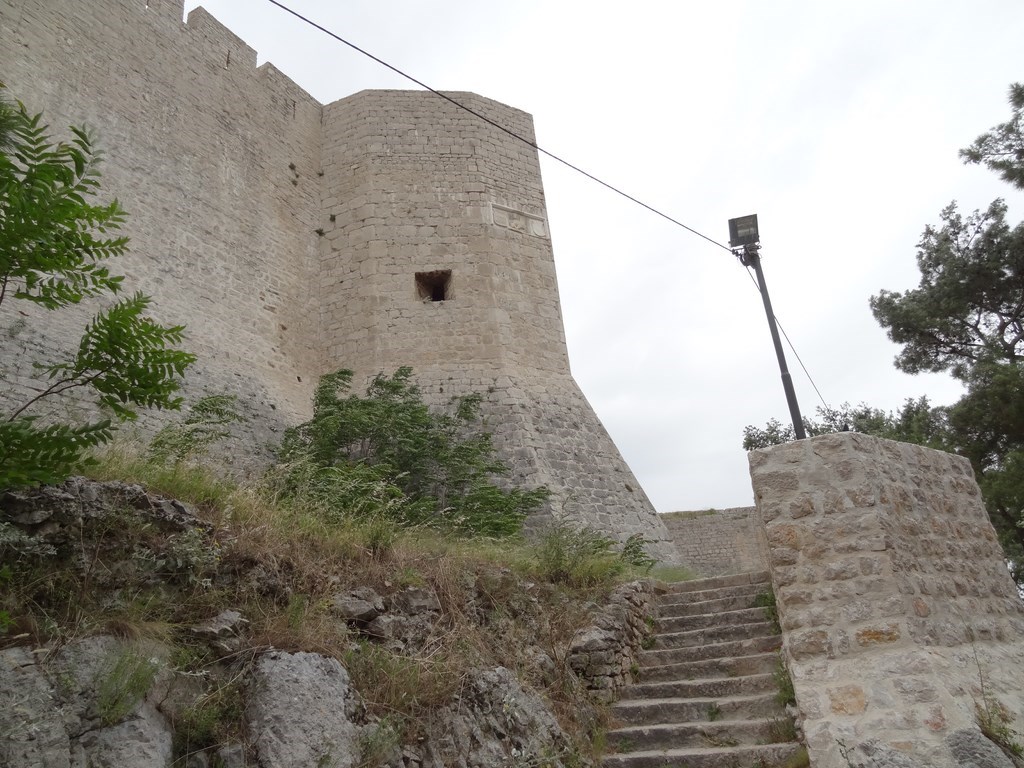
(143, 740)
(362, 604)
(414, 601)
(298, 712)
(496, 723)
(971, 749)
(32, 732)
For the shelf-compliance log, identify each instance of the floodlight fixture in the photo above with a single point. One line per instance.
(743, 231)
(745, 242)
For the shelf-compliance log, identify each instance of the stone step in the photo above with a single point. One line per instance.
(718, 733)
(706, 695)
(732, 648)
(652, 711)
(713, 635)
(703, 689)
(716, 582)
(685, 598)
(709, 606)
(757, 664)
(762, 756)
(668, 624)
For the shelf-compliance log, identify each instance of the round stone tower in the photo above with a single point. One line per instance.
(437, 255)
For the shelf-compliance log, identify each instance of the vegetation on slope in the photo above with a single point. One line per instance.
(503, 602)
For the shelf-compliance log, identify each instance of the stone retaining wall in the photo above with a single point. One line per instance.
(604, 655)
(898, 613)
(718, 542)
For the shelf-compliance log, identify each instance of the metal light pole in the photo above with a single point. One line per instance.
(744, 241)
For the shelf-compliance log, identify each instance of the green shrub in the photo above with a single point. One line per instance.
(996, 722)
(635, 554)
(192, 437)
(584, 557)
(389, 455)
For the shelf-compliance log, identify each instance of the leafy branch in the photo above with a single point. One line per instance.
(54, 242)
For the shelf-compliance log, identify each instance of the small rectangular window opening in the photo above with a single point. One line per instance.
(434, 286)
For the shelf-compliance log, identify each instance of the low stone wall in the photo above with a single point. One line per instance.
(898, 614)
(719, 542)
(604, 655)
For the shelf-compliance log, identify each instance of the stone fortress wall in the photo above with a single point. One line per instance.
(198, 143)
(719, 542)
(295, 238)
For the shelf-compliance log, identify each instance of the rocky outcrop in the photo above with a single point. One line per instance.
(300, 711)
(496, 723)
(89, 704)
(212, 692)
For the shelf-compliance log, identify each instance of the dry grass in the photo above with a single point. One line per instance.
(280, 566)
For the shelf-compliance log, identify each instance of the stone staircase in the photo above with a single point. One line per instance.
(706, 695)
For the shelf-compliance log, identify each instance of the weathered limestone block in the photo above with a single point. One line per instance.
(495, 722)
(142, 740)
(897, 610)
(32, 733)
(83, 707)
(299, 712)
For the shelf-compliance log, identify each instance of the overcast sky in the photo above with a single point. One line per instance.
(838, 123)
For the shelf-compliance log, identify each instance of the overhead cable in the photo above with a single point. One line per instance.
(539, 149)
(497, 125)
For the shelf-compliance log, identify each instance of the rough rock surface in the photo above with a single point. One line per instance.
(224, 631)
(873, 754)
(298, 712)
(32, 731)
(54, 513)
(143, 740)
(54, 714)
(68, 705)
(495, 723)
(362, 604)
(972, 750)
(414, 601)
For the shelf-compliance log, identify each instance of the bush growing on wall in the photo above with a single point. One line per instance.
(389, 454)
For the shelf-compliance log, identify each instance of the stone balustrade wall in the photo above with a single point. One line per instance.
(898, 613)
